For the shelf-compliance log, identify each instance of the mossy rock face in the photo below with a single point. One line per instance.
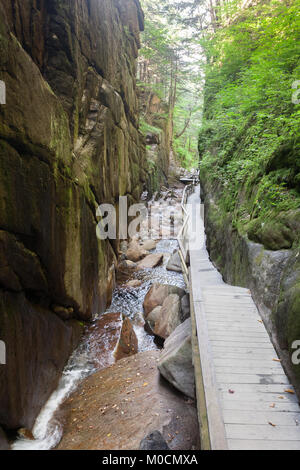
(272, 275)
(69, 141)
(274, 235)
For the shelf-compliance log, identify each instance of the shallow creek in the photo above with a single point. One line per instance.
(86, 359)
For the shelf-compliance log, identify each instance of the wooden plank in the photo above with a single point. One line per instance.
(239, 444)
(261, 417)
(236, 378)
(265, 432)
(256, 397)
(214, 412)
(245, 405)
(252, 362)
(257, 388)
(246, 370)
(199, 385)
(233, 339)
(236, 355)
(241, 344)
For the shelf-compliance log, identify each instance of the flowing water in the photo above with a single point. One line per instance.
(84, 361)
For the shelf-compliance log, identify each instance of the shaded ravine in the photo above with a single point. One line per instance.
(85, 360)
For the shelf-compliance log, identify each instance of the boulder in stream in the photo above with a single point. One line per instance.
(185, 307)
(134, 283)
(175, 362)
(149, 245)
(114, 409)
(151, 261)
(111, 338)
(163, 320)
(157, 295)
(174, 263)
(135, 251)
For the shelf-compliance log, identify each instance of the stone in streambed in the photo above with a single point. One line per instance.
(154, 441)
(114, 409)
(135, 252)
(128, 343)
(127, 264)
(157, 295)
(175, 362)
(174, 263)
(149, 245)
(151, 261)
(185, 307)
(163, 320)
(111, 338)
(133, 283)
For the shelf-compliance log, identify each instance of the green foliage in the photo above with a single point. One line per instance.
(250, 137)
(146, 128)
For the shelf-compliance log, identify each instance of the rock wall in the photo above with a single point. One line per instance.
(272, 275)
(157, 138)
(69, 140)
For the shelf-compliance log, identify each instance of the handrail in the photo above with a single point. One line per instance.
(182, 252)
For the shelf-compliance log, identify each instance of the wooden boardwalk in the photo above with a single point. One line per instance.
(244, 399)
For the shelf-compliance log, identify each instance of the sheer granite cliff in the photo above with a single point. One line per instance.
(69, 140)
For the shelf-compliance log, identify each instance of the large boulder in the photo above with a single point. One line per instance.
(174, 263)
(149, 245)
(115, 408)
(163, 320)
(151, 261)
(185, 307)
(157, 295)
(135, 252)
(176, 363)
(111, 338)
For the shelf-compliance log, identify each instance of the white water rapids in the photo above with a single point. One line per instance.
(48, 430)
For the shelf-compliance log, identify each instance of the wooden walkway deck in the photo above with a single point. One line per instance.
(244, 399)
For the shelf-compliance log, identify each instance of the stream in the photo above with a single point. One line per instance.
(85, 360)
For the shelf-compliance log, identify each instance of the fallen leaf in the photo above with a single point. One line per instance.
(108, 435)
(289, 390)
(230, 391)
(145, 384)
(272, 405)
(276, 360)
(272, 424)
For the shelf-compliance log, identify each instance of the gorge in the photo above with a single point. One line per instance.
(110, 99)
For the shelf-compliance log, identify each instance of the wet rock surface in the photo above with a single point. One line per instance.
(136, 252)
(175, 361)
(174, 263)
(157, 295)
(163, 320)
(151, 261)
(69, 140)
(273, 277)
(154, 441)
(117, 407)
(111, 338)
